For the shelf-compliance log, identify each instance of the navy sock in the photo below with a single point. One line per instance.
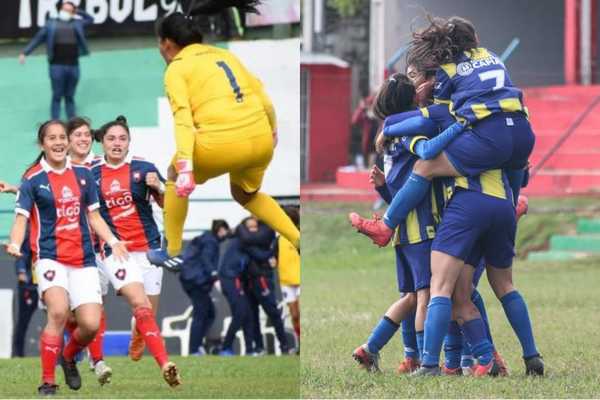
(382, 333)
(453, 346)
(518, 316)
(515, 180)
(420, 340)
(478, 301)
(409, 337)
(466, 358)
(406, 199)
(474, 331)
(439, 313)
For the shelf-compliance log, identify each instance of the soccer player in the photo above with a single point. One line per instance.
(61, 202)
(224, 123)
(288, 266)
(475, 84)
(125, 185)
(413, 243)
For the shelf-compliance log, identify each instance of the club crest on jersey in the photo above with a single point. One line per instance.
(49, 275)
(82, 181)
(115, 186)
(464, 68)
(137, 176)
(67, 193)
(121, 273)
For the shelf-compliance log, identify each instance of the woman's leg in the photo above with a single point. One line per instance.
(420, 316)
(445, 270)
(515, 308)
(175, 212)
(51, 339)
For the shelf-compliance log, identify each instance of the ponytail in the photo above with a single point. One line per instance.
(119, 121)
(186, 29)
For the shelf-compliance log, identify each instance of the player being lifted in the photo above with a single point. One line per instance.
(224, 123)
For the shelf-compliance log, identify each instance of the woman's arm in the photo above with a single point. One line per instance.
(417, 125)
(8, 188)
(17, 235)
(98, 225)
(428, 149)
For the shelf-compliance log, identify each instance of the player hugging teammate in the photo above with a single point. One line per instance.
(459, 163)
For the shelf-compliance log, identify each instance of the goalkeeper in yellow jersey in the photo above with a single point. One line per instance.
(224, 123)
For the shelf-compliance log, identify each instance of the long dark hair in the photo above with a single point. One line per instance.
(41, 134)
(396, 95)
(119, 121)
(441, 42)
(184, 29)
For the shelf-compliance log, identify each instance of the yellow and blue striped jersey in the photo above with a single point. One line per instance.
(476, 86)
(420, 224)
(211, 92)
(491, 183)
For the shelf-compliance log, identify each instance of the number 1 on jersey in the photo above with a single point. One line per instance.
(239, 96)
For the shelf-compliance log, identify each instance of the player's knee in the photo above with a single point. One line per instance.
(58, 316)
(88, 326)
(239, 195)
(411, 299)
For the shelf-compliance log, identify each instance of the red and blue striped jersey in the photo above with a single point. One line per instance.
(476, 86)
(125, 202)
(55, 203)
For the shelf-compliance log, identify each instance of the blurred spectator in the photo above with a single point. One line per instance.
(258, 242)
(27, 297)
(288, 264)
(232, 275)
(364, 118)
(198, 274)
(65, 43)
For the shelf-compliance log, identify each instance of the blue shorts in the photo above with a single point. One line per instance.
(413, 266)
(502, 140)
(475, 225)
(479, 268)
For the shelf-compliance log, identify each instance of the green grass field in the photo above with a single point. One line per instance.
(348, 284)
(203, 377)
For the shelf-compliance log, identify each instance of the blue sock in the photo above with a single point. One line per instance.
(453, 346)
(420, 340)
(474, 331)
(439, 313)
(382, 333)
(515, 180)
(478, 301)
(406, 199)
(466, 357)
(409, 337)
(518, 316)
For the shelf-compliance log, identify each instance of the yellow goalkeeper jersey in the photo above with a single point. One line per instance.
(288, 263)
(211, 93)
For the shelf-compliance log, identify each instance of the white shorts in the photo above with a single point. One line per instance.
(136, 269)
(290, 293)
(103, 278)
(81, 284)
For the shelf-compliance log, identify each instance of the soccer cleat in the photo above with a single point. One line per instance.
(468, 371)
(72, 377)
(47, 389)
(103, 372)
(374, 228)
(136, 346)
(489, 369)
(452, 371)
(522, 206)
(427, 371)
(366, 359)
(502, 366)
(160, 258)
(226, 353)
(534, 366)
(171, 374)
(408, 365)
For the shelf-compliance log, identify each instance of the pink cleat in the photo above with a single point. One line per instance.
(374, 228)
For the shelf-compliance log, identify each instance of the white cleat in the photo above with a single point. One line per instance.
(103, 372)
